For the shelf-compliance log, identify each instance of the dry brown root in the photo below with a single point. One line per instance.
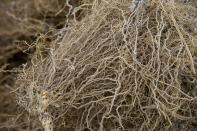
(118, 68)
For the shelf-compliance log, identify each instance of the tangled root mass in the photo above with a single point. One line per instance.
(119, 67)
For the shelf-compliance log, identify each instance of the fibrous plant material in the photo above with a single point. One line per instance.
(22, 22)
(117, 69)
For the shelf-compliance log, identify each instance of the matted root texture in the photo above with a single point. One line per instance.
(22, 22)
(122, 67)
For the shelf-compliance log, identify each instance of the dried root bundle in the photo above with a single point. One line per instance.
(122, 67)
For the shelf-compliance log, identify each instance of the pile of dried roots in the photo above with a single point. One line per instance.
(124, 66)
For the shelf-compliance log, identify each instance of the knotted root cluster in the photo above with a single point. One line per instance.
(118, 68)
